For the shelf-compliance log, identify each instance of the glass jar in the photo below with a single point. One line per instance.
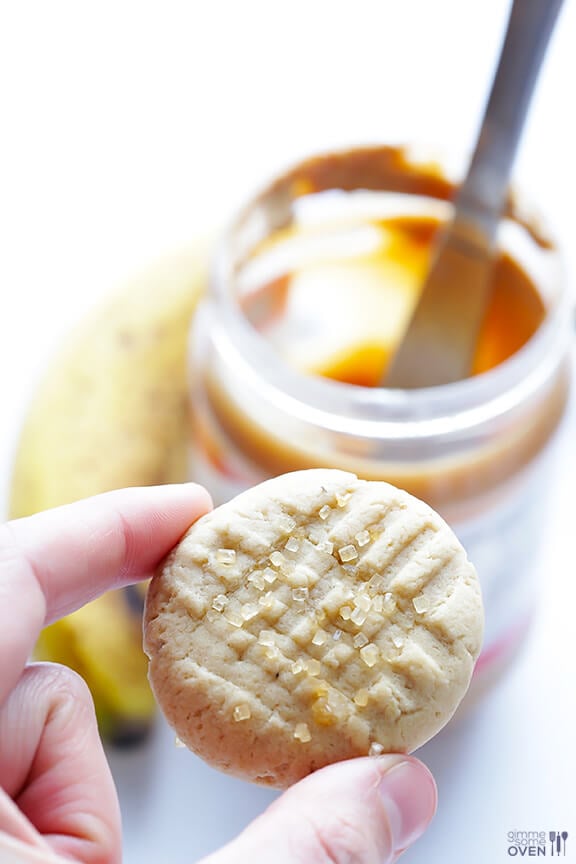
(476, 450)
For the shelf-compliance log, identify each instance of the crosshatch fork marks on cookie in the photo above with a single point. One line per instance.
(396, 544)
(329, 603)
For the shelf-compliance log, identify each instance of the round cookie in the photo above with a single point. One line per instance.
(315, 617)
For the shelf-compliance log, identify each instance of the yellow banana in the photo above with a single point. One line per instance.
(112, 412)
(103, 643)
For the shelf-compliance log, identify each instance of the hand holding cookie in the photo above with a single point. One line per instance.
(57, 797)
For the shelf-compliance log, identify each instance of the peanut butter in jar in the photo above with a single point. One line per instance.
(312, 290)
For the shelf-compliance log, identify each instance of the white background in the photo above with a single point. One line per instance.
(125, 129)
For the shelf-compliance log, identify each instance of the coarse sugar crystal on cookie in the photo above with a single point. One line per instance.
(313, 618)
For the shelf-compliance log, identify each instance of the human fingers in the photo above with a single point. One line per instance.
(13, 823)
(14, 851)
(54, 769)
(364, 811)
(55, 561)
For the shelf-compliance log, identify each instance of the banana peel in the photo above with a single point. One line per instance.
(102, 642)
(111, 412)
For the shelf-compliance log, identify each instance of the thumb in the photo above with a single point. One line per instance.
(365, 811)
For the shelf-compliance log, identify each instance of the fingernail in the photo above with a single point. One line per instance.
(408, 791)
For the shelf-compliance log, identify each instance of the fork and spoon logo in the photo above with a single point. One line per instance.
(558, 842)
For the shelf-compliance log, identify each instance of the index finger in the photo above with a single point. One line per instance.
(54, 562)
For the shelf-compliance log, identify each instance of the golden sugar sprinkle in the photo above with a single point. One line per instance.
(233, 617)
(300, 595)
(348, 553)
(323, 712)
(360, 640)
(362, 538)
(369, 654)
(363, 601)
(302, 733)
(257, 579)
(358, 616)
(292, 544)
(277, 559)
(343, 498)
(241, 712)
(219, 602)
(267, 600)
(319, 637)
(313, 667)
(420, 604)
(378, 603)
(324, 511)
(248, 611)
(361, 698)
(226, 556)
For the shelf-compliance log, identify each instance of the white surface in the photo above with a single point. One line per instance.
(128, 127)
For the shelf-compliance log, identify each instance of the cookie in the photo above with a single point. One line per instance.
(313, 618)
